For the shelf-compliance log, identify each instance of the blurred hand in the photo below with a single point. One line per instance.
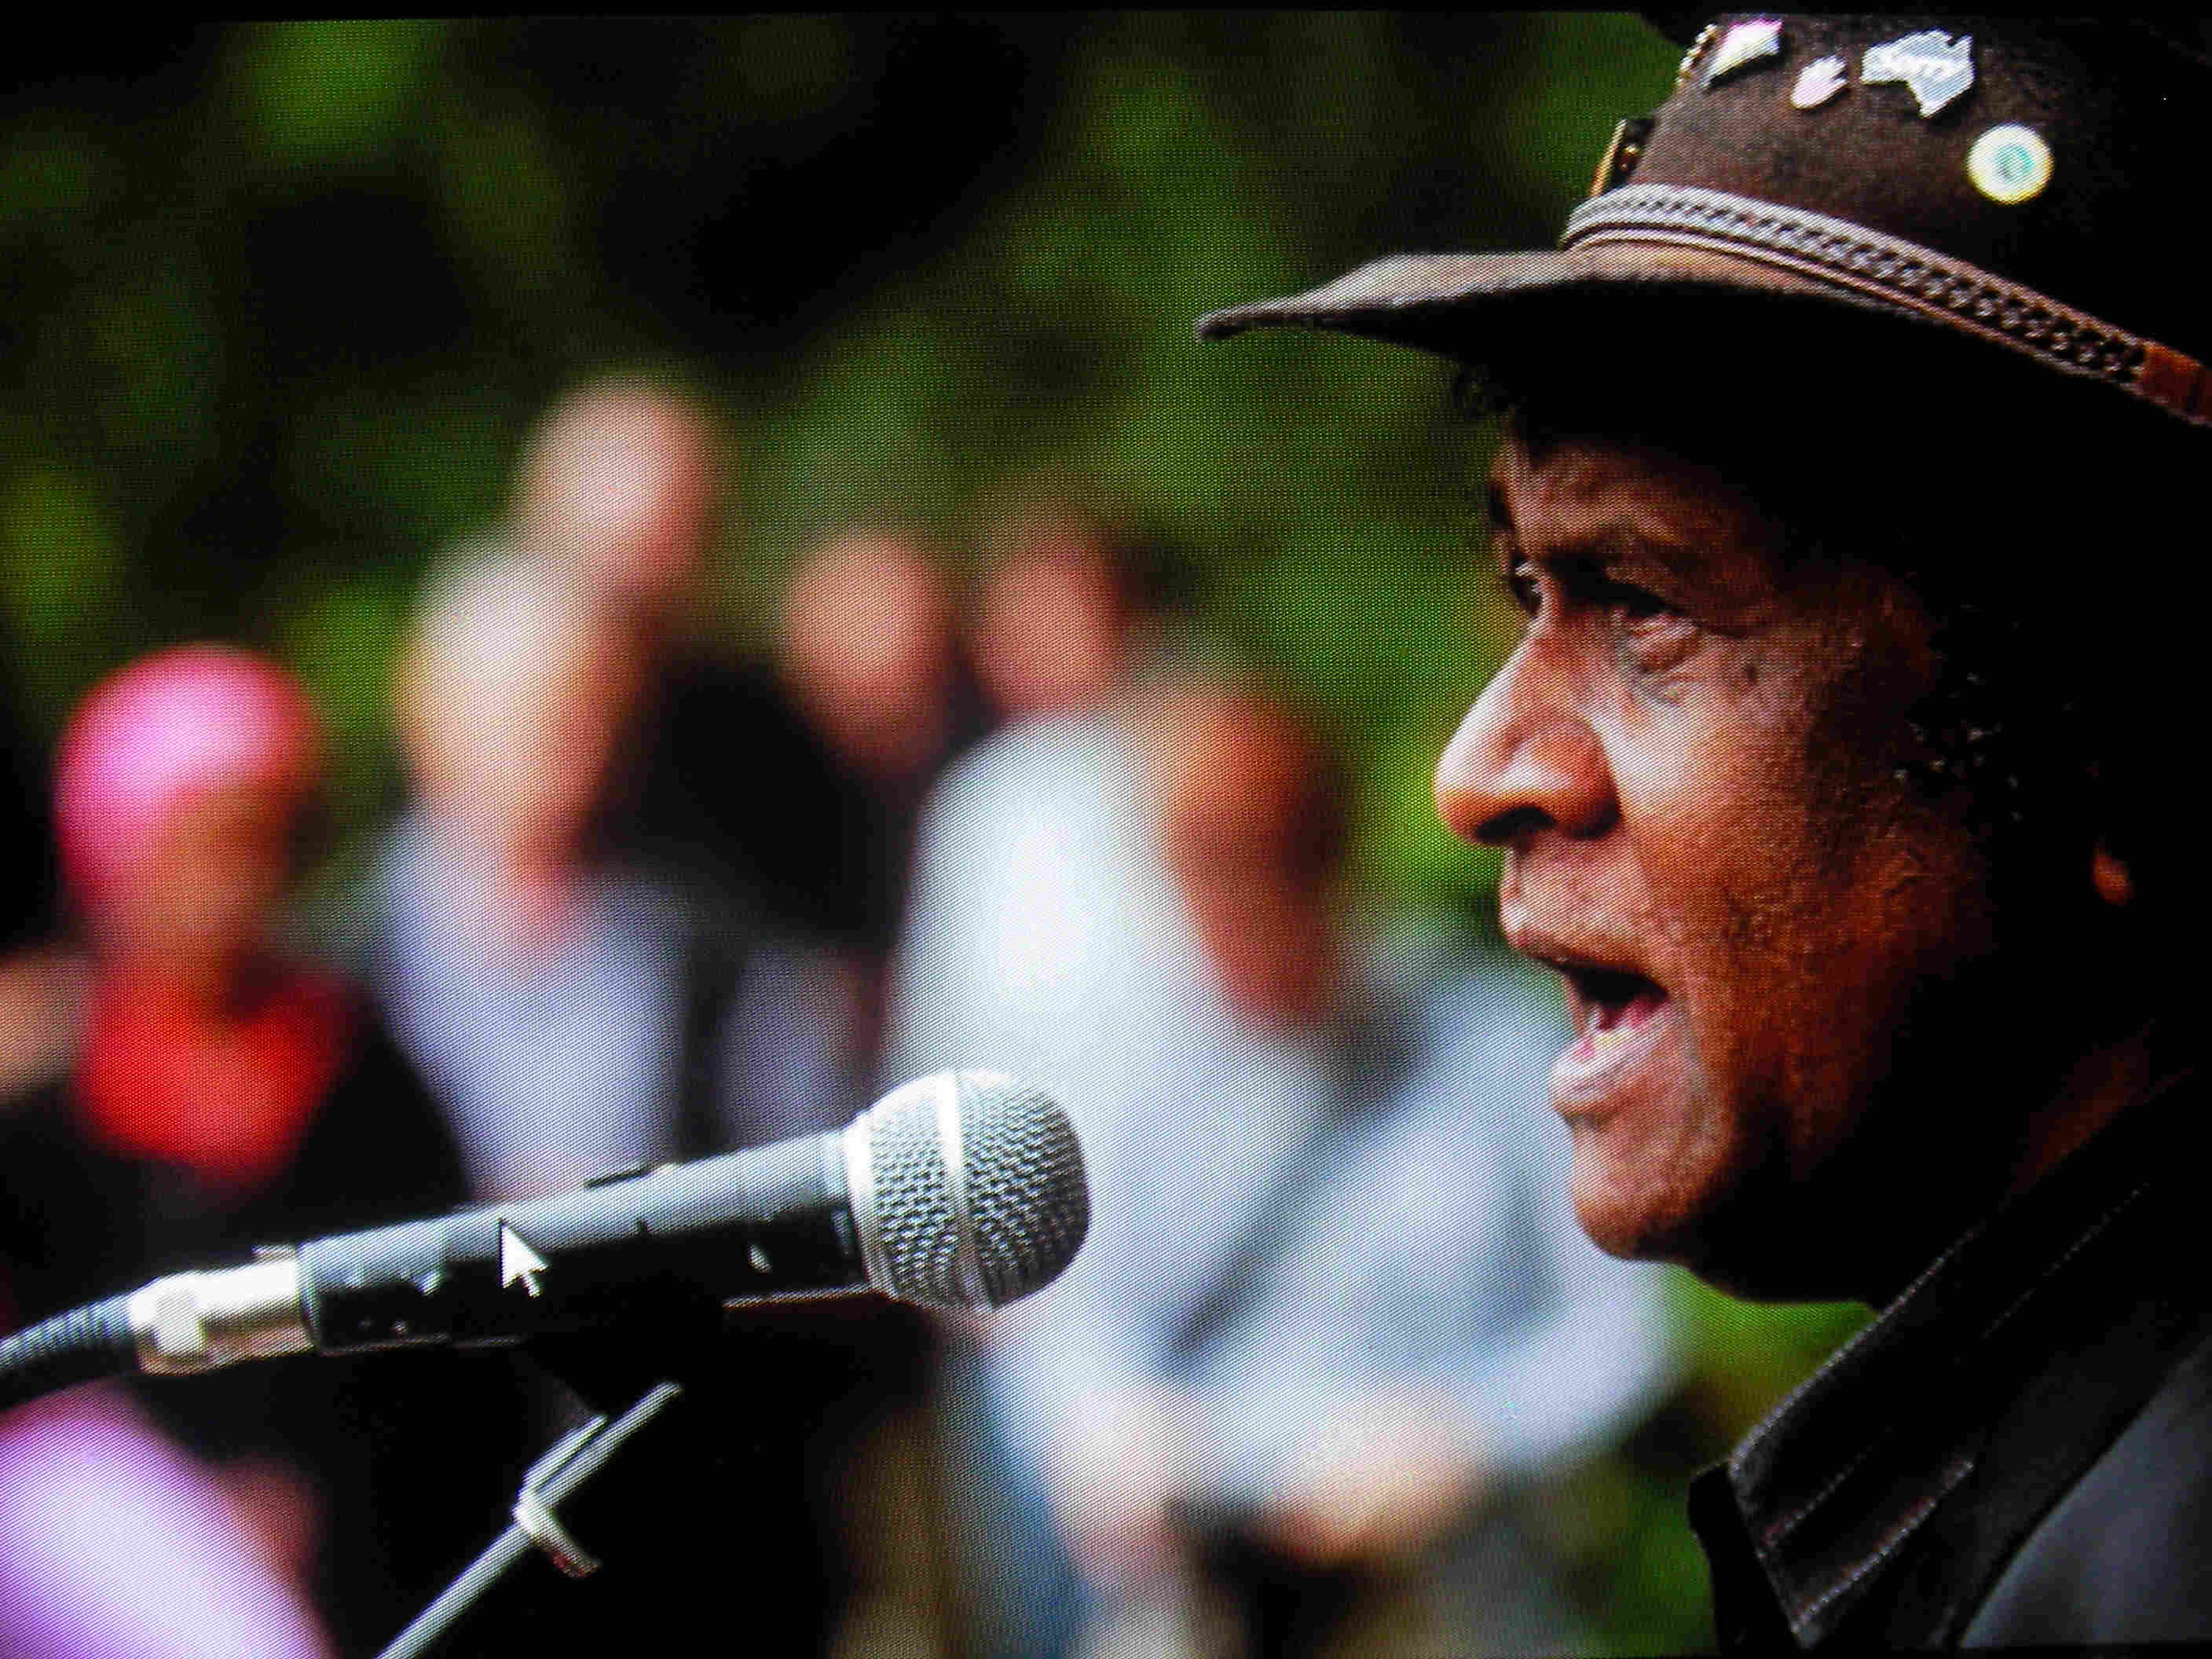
(1377, 1485)
(1113, 1471)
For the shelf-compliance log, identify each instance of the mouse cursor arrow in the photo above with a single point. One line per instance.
(518, 1261)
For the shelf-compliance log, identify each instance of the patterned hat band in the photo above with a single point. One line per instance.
(1900, 274)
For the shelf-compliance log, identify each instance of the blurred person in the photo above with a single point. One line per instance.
(726, 784)
(121, 1545)
(1333, 1316)
(1061, 620)
(578, 1006)
(222, 1094)
(867, 647)
(581, 1006)
(622, 485)
(621, 482)
(865, 642)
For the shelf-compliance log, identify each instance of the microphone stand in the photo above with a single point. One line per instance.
(620, 1492)
(645, 1503)
(588, 1480)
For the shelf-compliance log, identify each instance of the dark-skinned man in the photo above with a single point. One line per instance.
(1849, 449)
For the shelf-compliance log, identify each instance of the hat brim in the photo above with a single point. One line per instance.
(1451, 303)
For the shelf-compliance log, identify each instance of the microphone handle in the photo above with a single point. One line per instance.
(765, 1223)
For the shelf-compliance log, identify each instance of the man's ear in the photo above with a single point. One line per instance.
(2109, 875)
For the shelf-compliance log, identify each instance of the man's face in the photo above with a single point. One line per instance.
(518, 731)
(1689, 761)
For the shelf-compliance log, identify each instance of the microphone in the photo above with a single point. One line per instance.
(963, 1189)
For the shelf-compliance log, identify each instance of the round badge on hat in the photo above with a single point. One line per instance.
(2009, 164)
(1816, 157)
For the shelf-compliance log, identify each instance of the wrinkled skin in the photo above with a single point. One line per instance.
(1777, 955)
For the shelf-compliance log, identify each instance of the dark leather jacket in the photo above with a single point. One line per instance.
(2019, 1450)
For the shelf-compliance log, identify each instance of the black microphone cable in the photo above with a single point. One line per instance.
(82, 1346)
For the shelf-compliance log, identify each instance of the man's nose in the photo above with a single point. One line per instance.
(1522, 761)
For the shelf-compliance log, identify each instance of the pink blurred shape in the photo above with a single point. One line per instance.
(157, 729)
(115, 1544)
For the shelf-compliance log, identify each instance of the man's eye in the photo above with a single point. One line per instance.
(1520, 578)
(1635, 603)
(1588, 588)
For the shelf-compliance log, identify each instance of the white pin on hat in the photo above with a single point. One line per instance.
(1819, 82)
(1744, 43)
(1937, 68)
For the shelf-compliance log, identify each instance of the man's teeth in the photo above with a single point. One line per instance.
(1605, 1037)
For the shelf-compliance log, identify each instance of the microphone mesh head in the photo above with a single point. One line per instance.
(995, 1214)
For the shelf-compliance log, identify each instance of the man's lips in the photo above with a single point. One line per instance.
(1620, 1018)
(1603, 984)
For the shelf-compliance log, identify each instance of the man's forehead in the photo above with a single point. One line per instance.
(1591, 491)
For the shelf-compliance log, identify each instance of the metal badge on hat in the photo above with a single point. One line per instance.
(1630, 135)
(1937, 68)
(1819, 82)
(1744, 43)
(2009, 164)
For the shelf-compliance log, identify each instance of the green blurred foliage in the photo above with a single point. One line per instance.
(291, 293)
(287, 296)
(332, 94)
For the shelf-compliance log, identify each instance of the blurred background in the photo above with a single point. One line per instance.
(290, 300)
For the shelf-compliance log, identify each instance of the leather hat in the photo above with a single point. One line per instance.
(2024, 182)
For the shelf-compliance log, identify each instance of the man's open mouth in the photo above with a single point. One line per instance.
(1621, 1024)
(1622, 1020)
(1608, 1003)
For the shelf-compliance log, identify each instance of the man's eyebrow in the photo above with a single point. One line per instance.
(1618, 543)
(1619, 538)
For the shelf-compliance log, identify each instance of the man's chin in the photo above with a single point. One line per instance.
(1621, 1218)
(1758, 1240)
(1794, 1241)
